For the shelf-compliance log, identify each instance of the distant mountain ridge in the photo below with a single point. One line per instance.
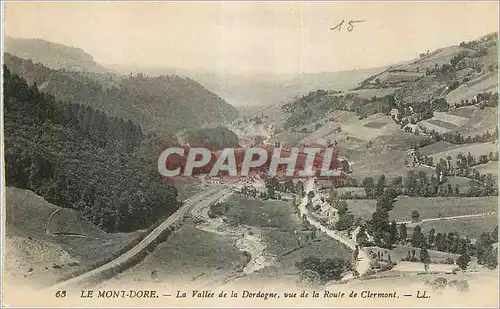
(163, 104)
(264, 89)
(53, 55)
(237, 89)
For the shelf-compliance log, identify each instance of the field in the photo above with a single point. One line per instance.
(465, 227)
(488, 168)
(454, 120)
(395, 77)
(432, 207)
(435, 207)
(475, 149)
(375, 162)
(464, 111)
(196, 257)
(282, 230)
(358, 191)
(386, 156)
(362, 208)
(383, 125)
(400, 252)
(290, 138)
(470, 89)
(42, 251)
(433, 125)
(370, 93)
(481, 121)
(190, 255)
(462, 182)
(375, 124)
(443, 124)
(437, 147)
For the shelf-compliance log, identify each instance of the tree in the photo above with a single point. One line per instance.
(270, 192)
(299, 188)
(424, 256)
(431, 237)
(289, 187)
(361, 237)
(393, 229)
(344, 222)
(309, 278)
(483, 248)
(492, 259)
(415, 216)
(494, 234)
(310, 195)
(386, 200)
(418, 239)
(463, 261)
(381, 185)
(368, 184)
(341, 206)
(403, 234)
(328, 269)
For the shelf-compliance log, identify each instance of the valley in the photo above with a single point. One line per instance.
(415, 205)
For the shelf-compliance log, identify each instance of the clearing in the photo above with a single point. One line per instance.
(488, 168)
(431, 207)
(466, 227)
(475, 149)
(190, 256)
(484, 83)
(435, 207)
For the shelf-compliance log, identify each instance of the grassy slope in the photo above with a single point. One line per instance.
(427, 207)
(475, 149)
(490, 167)
(188, 254)
(472, 227)
(28, 246)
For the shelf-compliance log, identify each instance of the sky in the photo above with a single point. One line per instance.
(249, 37)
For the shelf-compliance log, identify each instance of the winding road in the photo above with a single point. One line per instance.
(363, 261)
(205, 198)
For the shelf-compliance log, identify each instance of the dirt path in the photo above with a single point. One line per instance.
(363, 261)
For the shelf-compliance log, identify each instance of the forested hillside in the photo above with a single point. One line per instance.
(77, 157)
(215, 138)
(162, 104)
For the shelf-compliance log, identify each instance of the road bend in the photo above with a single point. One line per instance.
(363, 260)
(207, 197)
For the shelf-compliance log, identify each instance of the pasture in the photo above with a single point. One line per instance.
(436, 207)
(466, 227)
(431, 207)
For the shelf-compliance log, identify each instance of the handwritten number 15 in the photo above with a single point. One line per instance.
(350, 25)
